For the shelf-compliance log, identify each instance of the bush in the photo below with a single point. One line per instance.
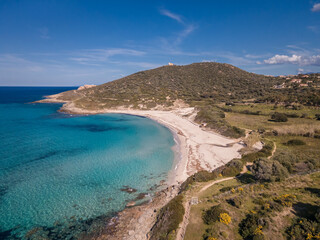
(225, 189)
(303, 228)
(232, 168)
(210, 234)
(236, 202)
(266, 170)
(295, 142)
(225, 218)
(287, 159)
(285, 200)
(213, 214)
(248, 227)
(279, 117)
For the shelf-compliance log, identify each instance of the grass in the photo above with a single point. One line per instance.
(196, 225)
(254, 196)
(268, 109)
(256, 122)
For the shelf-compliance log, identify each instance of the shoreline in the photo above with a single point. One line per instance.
(195, 149)
(200, 149)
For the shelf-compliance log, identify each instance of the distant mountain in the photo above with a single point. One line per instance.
(197, 82)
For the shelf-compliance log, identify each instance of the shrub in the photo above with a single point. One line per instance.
(225, 189)
(285, 200)
(279, 172)
(224, 218)
(210, 234)
(213, 214)
(236, 202)
(287, 159)
(303, 228)
(266, 170)
(248, 226)
(232, 168)
(279, 117)
(295, 142)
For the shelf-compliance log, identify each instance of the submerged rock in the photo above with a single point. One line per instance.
(128, 189)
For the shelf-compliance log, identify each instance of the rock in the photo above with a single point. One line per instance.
(128, 189)
(141, 196)
(131, 204)
(85, 87)
(131, 232)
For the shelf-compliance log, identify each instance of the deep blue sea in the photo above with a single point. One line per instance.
(61, 175)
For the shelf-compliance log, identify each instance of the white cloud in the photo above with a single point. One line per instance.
(96, 56)
(171, 15)
(188, 29)
(183, 34)
(294, 59)
(300, 70)
(316, 7)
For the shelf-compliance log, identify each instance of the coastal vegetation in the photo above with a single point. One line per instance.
(277, 198)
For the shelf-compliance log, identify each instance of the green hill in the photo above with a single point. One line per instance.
(197, 82)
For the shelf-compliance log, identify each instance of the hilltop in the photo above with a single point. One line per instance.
(162, 86)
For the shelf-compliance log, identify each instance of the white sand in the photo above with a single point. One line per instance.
(199, 149)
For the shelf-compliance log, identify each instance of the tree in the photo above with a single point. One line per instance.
(279, 117)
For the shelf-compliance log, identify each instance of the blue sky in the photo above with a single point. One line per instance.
(75, 42)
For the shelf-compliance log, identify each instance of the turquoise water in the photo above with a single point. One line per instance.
(57, 169)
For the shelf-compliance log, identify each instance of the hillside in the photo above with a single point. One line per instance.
(206, 86)
(214, 82)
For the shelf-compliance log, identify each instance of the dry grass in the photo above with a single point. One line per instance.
(298, 130)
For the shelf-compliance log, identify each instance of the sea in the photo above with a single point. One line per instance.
(62, 176)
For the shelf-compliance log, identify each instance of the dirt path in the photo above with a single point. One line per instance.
(273, 151)
(187, 205)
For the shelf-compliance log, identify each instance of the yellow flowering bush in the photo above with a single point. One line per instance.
(212, 238)
(240, 189)
(258, 231)
(233, 190)
(224, 218)
(220, 175)
(285, 199)
(310, 236)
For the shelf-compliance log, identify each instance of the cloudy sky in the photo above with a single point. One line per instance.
(75, 42)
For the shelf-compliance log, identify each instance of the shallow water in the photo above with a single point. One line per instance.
(56, 168)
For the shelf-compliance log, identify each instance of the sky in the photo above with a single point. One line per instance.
(76, 42)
